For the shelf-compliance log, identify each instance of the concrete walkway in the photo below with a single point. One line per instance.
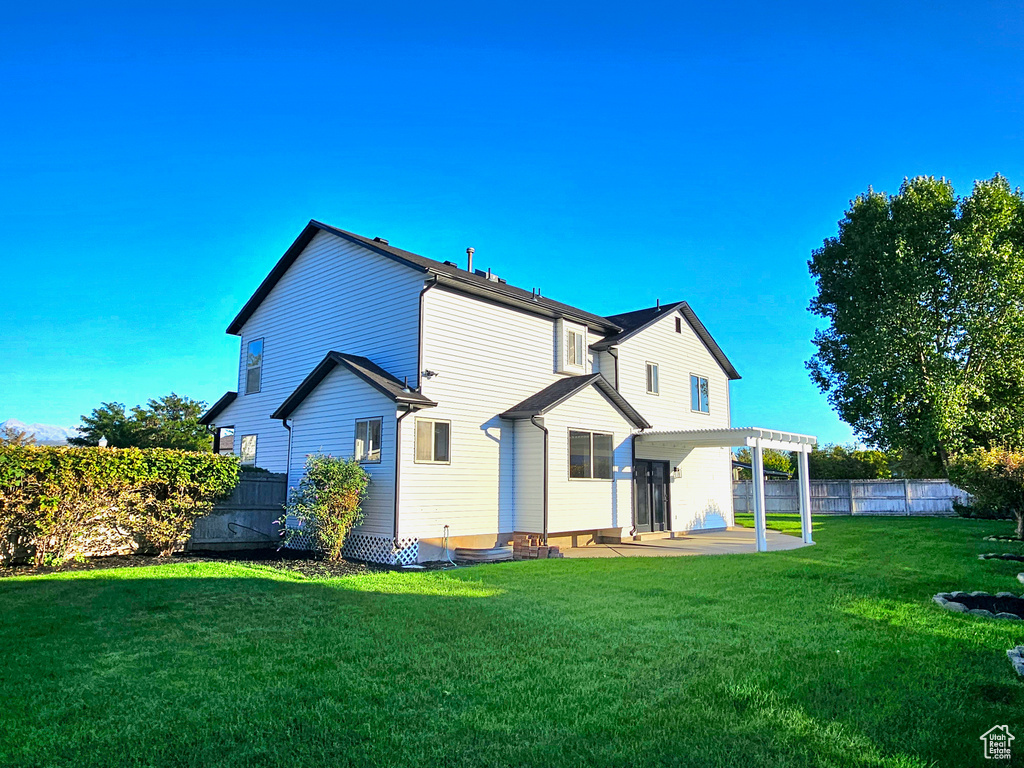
(731, 542)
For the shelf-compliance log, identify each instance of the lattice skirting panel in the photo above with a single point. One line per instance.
(360, 546)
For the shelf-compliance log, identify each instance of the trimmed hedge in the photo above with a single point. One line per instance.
(56, 501)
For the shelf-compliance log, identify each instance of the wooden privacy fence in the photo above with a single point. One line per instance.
(246, 519)
(854, 497)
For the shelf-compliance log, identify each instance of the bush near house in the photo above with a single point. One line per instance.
(58, 502)
(328, 501)
(995, 477)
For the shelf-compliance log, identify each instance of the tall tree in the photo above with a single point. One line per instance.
(171, 421)
(923, 295)
(109, 421)
(13, 436)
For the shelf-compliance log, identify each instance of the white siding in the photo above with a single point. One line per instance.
(678, 355)
(588, 504)
(529, 476)
(702, 497)
(325, 423)
(336, 296)
(488, 358)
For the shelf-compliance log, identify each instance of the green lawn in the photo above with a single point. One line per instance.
(828, 655)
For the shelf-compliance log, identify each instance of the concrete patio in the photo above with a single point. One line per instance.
(730, 542)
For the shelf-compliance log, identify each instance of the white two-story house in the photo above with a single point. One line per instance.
(478, 409)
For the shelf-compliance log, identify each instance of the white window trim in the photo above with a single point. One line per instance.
(263, 356)
(416, 441)
(697, 409)
(568, 454)
(657, 368)
(380, 448)
(563, 328)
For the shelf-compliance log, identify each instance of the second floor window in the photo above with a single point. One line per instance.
(368, 440)
(652, 378)
(574, 348)
(253, 366)
(699, 394)
(432, 441)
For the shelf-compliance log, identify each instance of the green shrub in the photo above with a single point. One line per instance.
(55, 500)
(995, 477)
(328, 501)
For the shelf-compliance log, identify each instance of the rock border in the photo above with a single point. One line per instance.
(998, 537)
(948, 600)
(1016, 656)
(1001, 556)
(1020, 578)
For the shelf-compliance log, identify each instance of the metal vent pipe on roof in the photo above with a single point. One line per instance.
(469, 254)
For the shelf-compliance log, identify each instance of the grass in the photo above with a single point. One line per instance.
(830, 655)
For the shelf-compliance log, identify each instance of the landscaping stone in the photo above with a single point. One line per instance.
(1001, 556)
(1004, 605)
(1016, 656)
(1020, 578)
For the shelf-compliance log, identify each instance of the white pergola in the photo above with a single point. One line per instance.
(757, 440)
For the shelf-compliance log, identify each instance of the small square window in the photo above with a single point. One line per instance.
(699, 394)
(247, 453)
(368, 436)
(652, 378)
(433, 440)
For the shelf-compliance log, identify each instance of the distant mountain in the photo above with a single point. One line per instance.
(45, 434)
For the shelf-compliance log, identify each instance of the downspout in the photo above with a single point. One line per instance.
(419, 354)
(632, 486)
(533, 420)
(398, 465)
(615, 356)
(215, 433)
(288, 454)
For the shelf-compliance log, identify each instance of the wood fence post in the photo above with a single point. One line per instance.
(906, 495)
(853, 505)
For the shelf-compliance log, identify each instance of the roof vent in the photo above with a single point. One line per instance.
(469, 259)
(657, 305)
(380, 240)
(479, 272)
(452, 264)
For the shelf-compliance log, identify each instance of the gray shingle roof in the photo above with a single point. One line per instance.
(365, 369)
(557, 393)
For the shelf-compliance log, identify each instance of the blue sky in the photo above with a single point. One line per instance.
(157, 162)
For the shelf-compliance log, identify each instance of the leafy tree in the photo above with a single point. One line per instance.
(923, 294)
(995, 477)
(773, 459)
(171, 421)
(838, 462)
(111, 421)
(11, 436)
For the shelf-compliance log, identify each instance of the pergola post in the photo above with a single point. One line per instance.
(805, 496)
(760, 523)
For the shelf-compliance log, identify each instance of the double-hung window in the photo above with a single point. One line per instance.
(590, 455)
(433, 438)
(699, 394)
(652, 378)
(253, 366)
(368, 433)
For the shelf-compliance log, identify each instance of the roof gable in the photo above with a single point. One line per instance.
(634, 322)
(217, 408)
(459, 279)
(365, 369)
(557, 393)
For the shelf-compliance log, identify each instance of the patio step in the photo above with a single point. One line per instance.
(653, 535)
